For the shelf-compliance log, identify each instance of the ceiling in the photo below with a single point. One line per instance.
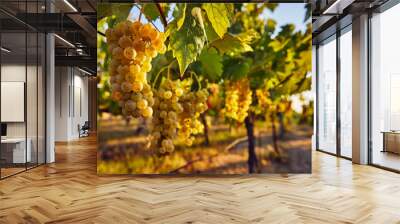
(74, 22)
(330, 15)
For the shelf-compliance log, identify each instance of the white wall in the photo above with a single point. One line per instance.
(71, 94)
(12, 73)
(16, 73)
(80, 102)
(62, 81)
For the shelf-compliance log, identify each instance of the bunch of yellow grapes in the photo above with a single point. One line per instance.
(194, 104)
(165, 119)
(132, 46)
(238, 99)
(176, 114)
(263, 98)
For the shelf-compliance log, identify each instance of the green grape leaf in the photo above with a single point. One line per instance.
(261, 74)
(180, 15)
(278, 45)
(187, 42)
(120, 11)
(235, 69)
(271, 6)
(219, 16)
(295, 83)
(304, 85)
(210, 32)
(103, 10)
(236, 44)
(270, 26)
(151, 11)
(231, 44)
(287, 30)
(211, 62)
(248, 36)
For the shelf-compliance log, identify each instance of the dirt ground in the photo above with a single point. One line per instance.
(121, 150)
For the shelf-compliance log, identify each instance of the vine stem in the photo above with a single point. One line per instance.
(101, 33)
(163, 19)
(140, 15)
(169, 72)
(158, 74)
(162, 70)
(169, 68)
(192, 73)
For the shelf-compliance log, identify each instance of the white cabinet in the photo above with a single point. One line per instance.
(17, 146)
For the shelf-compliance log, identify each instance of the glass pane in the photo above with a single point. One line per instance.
(327, 96)
(13, 86)
(385, 84)
(346, 94)
(22, 82)
(31, 98)
(41, 99)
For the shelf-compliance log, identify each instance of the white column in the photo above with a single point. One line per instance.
(62, 103)
(50, 100)
(360, 90)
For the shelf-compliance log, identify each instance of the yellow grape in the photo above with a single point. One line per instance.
(137, 86)
(141, 104)
(117, 53)
(167, 95)
(130, 105)
(147, 112)
(146, 66)
(150, 101)
(179, 92)
(134, 69)
(126, 87)
(163, 114)
(129, 53)
(125, 42)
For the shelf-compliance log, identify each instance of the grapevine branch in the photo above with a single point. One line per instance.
(286, 79)
(148, 19)
(163, 19)
(101, 33)
(300, 83)
(140, 15)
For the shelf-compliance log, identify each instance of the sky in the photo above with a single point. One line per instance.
(285, 13)
(289, 13)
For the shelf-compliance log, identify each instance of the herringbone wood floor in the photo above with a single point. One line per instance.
(69, 191)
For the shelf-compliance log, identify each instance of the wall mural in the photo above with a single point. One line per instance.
(204, 88)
